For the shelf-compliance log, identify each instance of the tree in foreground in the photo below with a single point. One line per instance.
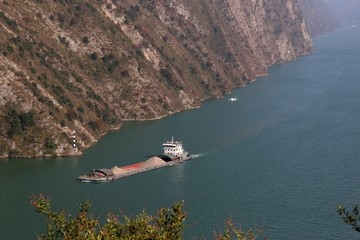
(352, 218)
(168, 224)
(233, 232)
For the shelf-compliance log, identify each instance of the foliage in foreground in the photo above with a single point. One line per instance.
(352, 218)
(168, 224)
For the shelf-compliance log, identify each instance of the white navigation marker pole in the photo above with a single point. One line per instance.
(74, 141)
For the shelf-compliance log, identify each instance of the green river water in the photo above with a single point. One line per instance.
(283, 157)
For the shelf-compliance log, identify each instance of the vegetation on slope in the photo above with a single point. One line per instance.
(87, 65)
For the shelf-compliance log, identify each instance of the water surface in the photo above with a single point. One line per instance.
(283, 157)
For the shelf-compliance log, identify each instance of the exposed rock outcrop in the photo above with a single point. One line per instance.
(347, 11)
(319, 17)
(85, 66)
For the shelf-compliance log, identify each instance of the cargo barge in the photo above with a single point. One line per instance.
(174, 153)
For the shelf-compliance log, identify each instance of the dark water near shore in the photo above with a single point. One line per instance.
(283, 157)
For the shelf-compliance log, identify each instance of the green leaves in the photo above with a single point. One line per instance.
(352, 218)
(233, 232)
(65, 227)
(18, 121)
(61, 225)
(168, 224)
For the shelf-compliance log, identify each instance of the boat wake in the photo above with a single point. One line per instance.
(198, 155)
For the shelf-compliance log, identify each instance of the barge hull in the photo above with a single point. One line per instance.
(130, 170)
(174, 153)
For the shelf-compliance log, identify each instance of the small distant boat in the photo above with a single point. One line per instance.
(233, 99)
(174, 152)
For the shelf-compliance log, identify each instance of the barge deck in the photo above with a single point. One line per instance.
(174, 153)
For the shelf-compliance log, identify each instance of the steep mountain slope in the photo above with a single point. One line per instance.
(319, 17)
(87, 65)
(347, 11)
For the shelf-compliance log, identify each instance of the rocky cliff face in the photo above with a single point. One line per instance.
(85, 66)
(347, 11)
(319, 17)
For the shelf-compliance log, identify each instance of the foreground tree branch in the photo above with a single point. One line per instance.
(168, 224)
(352, 218)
